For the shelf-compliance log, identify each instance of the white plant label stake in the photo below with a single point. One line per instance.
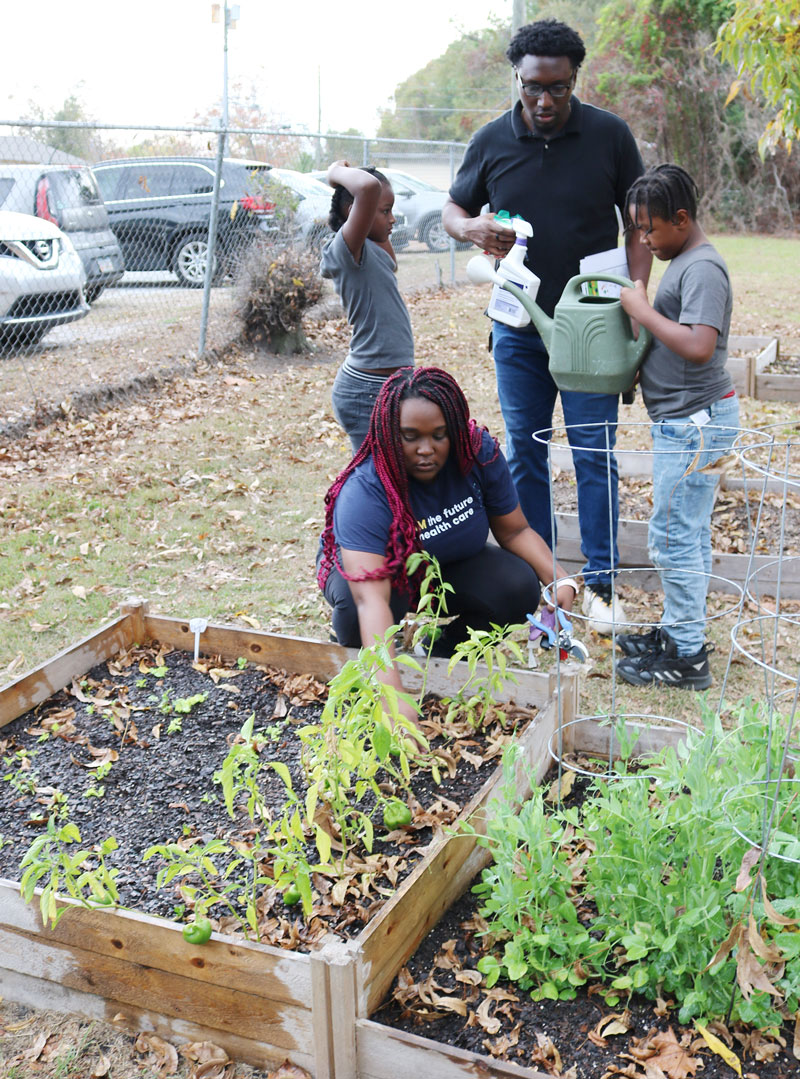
(197, 626)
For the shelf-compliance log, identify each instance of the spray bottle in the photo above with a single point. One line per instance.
(503, 306)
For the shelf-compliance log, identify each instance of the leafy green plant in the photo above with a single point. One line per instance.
(527, 892)
(431, 606)
(627, 893)
(492, 649)
(82, 873)
(184, 705)
(361, 731)
(231, 872)
(23, 779)
(97, 787)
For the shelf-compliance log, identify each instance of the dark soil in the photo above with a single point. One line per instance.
(160, 787)
(564, 1037)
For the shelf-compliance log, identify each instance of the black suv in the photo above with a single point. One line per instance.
(160, 208)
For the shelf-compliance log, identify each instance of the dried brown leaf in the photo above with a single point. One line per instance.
(743, 880)
(751, 975)
(287, 1070)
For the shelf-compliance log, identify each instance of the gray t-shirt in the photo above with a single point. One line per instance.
(695, 290)
(375, 310)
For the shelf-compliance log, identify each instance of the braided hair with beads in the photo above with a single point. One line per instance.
(661, 192)
(383, 445)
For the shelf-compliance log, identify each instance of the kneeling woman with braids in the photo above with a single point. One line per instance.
(427, 477)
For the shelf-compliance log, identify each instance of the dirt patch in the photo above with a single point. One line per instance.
(785, 365)
(736, 515)
(45, 1045)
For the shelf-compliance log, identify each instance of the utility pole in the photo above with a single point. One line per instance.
(231, 15)
(517, 20)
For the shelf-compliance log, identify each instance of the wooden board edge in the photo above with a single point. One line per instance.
(32, 992)
(386, 1053)
(322, 659)
(138, 938)
(392, 936)
(124, 983)
(54, 674)
(592, 736)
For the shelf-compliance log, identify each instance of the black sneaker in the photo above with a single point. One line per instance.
(639, 644)
(667, 668)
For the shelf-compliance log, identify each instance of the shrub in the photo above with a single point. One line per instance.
(277, 281)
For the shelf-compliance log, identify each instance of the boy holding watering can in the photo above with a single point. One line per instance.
(695, 417)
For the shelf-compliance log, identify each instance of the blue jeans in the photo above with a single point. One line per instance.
(679, 534)
(353, 397)
(527, 396)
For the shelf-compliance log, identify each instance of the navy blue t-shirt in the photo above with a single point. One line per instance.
(452, 511)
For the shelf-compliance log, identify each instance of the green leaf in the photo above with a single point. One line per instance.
(382, 741)
(283, 772)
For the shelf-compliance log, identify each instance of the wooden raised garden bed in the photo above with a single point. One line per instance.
(384, 1052)
(260, 1003)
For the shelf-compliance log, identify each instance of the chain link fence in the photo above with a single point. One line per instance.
(105, 233)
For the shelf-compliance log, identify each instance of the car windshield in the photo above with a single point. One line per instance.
(303, 185)
(402, 179)
(73, 187)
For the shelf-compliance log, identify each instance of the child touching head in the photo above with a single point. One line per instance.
(344, 199)
(360, 261)
(694, 411)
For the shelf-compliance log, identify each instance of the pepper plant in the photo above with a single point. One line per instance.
(53, 863)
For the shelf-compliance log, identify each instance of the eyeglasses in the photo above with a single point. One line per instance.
(535, 89)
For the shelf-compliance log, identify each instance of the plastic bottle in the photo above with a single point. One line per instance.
(503, 306)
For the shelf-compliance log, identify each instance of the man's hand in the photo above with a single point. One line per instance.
(485, 233)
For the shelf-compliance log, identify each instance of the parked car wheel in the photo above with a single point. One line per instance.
(190, 258)
(432, 232)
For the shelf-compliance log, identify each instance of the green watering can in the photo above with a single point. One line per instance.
(589, 339)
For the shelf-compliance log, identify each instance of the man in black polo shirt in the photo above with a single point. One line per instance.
(564, 166)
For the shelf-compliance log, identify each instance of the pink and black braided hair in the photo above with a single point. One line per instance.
(383, 444)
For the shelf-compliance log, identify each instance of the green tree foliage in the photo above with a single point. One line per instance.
(471, 82)
(338, 148)
(81, 142)
(761, 40)
(455, 93)
(654, 65)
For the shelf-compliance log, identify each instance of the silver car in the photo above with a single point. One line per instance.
(41, 279)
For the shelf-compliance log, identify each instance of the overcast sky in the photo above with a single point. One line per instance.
(160, 61)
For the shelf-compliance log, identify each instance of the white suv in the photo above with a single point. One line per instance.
(41, 279)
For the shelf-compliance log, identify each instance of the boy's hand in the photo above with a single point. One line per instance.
(634, 301)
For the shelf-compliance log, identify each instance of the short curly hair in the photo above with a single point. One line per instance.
(547, 37)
